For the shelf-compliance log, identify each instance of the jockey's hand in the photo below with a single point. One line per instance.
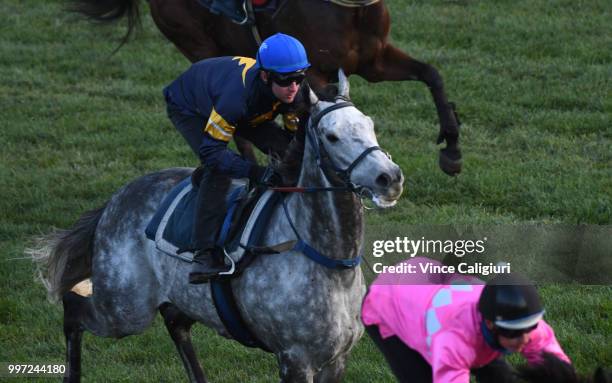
(264, 176)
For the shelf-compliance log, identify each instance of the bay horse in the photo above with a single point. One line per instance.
(354, 39)
(305, 313)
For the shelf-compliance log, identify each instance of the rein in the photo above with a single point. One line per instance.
(315, 255)
(325, 163)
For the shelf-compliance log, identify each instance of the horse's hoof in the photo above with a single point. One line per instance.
(450, 161)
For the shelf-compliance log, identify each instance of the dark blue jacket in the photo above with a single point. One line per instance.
(229, 94)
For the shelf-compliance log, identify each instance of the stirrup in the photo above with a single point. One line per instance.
(233, 264)
(203, 276)
(245, 12)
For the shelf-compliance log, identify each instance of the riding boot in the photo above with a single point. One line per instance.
(210, 212)
(207, 263)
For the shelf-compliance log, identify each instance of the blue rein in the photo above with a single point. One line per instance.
(316, 256)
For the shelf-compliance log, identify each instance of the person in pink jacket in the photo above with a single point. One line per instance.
(442, 328)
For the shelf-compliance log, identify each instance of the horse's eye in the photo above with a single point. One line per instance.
(332, 138)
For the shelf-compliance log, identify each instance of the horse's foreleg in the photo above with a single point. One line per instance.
(333, 372)
(179, 327)
(292, 368)
(391, 64)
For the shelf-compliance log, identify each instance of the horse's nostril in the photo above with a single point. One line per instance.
(383, 180)
(398, 175)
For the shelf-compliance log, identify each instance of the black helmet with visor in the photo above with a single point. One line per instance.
(512, 303)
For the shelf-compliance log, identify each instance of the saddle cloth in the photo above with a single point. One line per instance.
(171, 227)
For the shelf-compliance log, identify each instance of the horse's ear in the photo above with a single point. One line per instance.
(343, 84)
(313, 97)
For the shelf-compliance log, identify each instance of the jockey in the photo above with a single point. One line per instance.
(443, 332)
(219, 97)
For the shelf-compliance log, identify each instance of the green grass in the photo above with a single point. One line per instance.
(531, 80)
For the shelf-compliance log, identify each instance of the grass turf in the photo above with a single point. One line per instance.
(531, 81)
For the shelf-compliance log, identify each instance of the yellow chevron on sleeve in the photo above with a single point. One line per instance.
(218, 128)
(248, 64)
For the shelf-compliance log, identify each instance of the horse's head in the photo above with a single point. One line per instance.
(344, 144)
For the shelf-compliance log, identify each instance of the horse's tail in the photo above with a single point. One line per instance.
(63, 257)
(106, 11)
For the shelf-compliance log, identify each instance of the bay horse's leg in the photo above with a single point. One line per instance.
(391, 64)
(179, 327)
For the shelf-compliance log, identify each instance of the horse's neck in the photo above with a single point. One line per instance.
(329, 221)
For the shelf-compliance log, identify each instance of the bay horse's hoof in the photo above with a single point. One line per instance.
(450, 161)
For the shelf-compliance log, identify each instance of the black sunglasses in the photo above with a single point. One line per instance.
(511, 334)
(285, 80)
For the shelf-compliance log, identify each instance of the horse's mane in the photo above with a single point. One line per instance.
(289, 166)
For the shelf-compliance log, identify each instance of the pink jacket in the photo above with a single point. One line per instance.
(442, 323)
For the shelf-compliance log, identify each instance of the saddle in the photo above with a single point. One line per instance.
(171, 227)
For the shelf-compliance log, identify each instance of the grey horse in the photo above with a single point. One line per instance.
(305, 313)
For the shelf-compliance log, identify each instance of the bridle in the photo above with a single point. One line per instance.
(340, 178)
(333, 173)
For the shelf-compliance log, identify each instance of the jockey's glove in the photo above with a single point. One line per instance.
(264, 176)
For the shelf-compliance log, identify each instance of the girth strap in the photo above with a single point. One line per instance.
(227, 309)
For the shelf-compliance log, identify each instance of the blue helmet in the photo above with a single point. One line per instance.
(282, 53)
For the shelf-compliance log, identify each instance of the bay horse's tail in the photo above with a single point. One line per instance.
(63, 257)
(106, 11)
